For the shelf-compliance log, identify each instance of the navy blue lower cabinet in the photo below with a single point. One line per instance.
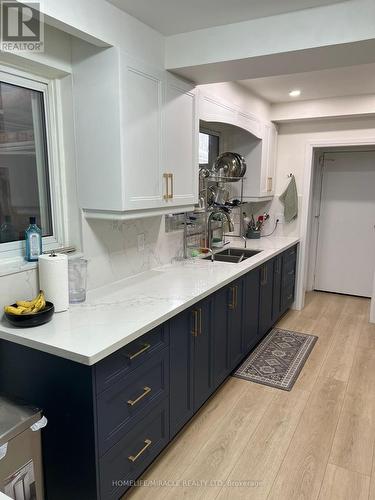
(221, 364)
(250, 315)
(132, 454)
(266, 293)
(203, 352)
(276, 295)
(108, 422)
(191, 358)
(288, 279)
(181, 369)
(235, 324)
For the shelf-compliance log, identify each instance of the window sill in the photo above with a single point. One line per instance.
(16, 265)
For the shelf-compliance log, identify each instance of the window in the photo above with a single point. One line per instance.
(208, 148)
(25, 163)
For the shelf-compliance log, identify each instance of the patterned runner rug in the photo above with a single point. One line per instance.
(278, 359)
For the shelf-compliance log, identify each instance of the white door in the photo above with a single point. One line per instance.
(180, 143)
(346, 240)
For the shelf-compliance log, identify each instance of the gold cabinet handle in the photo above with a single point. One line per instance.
(236, 296)
(194, 331)
(166, 178)
(171, 193)
(200, 321)
(141, 351)
(232, 305)
(146, 390)
(148, 443)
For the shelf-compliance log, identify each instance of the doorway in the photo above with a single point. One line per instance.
(345, 221)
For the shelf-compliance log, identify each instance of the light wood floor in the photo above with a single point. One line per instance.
(315, 442)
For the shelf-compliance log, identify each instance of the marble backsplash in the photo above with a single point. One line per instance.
(112, 248)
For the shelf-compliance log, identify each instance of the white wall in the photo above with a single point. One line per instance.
(246, 50)
(101, 21)
(240, 96)
(292, 142)
(336, 107)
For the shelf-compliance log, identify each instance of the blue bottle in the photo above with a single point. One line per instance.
(33, 237)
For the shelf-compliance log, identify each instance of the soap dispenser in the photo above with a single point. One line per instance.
(33, 237)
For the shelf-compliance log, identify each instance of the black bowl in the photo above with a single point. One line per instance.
(28, 320)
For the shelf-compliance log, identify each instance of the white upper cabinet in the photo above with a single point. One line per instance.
(181, 136)
(268, 167)
(142, 136)
(136, 136)
(250, 136)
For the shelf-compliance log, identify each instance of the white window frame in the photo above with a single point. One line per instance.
(50, 90)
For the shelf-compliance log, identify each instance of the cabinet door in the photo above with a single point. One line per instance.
(235, 337)
(203, 370)
(266, 290)
(288, 278)
(272, 156)
(181, 369)
(220, 335)
(180, 143)
(269, 144)
(276, 295)
(142, 133)
(251, 310)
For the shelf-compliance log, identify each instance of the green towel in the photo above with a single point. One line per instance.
(290, 200)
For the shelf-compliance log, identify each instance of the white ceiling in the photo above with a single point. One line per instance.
(338, 82)
(179, 16)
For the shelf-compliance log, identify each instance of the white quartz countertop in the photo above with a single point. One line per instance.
(121, 312)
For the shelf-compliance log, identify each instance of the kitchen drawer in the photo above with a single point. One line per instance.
(127, 460)
(114, 367)
(131, 398)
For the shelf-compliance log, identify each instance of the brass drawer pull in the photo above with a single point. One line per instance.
(194, 331)
(132, 458)
(166, 196)
(133, 402)
(200, 321)
(171, 193)
(141, 351)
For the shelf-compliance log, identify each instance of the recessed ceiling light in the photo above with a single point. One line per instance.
(295, 93)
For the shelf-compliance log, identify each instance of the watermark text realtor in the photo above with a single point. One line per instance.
(21, 27)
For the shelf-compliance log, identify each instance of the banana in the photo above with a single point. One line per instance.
(29, 303)
(14, 310)
(40, 304)
(28, 307)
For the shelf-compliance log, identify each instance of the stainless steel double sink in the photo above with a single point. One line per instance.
(233, 255)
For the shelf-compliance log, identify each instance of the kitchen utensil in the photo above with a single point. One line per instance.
(242, 163)
(229, 163)
(222, 195)
(201, 202)
(211, 195)
(203, 173)
(32, 319)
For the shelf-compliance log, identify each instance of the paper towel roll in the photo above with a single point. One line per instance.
(53, 280)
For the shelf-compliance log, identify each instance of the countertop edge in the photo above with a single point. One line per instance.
(100, 355)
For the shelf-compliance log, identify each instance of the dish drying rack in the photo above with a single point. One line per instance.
(196, 223)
